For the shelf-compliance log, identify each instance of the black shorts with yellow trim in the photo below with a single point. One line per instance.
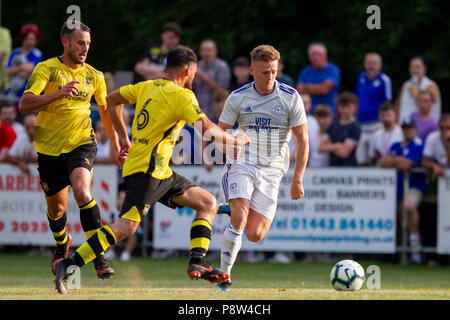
(54, 171)
(143, 191)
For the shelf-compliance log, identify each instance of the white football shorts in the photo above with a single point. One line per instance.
(258, 185)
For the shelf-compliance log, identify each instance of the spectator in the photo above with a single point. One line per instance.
(104, 150)
(406, 100)
(321, 79)
(214, 156)
(385, 137)
(22, 61)
(8, 115)
(342, 136)
(373, 88)
(283, 77)
(324, 117)
(241, 74)
(7, 138)
(426, 123)
(212, 73)
(5, 51)
(436, 153)
(313, 126)
(22, 151)
(404, 156)
(153, 62)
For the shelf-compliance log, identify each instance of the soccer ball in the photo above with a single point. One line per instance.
(347, 275)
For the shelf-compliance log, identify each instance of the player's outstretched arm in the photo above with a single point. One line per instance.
(112, 134)
(31, 102)
(301, 159)
(224, 141)
(114, 108)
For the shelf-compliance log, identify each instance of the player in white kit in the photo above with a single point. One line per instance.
(267, 111)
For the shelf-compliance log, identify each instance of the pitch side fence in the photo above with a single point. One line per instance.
(351, 210)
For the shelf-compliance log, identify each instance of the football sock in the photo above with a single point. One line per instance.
(91, 220)
(58, 228)
(200, 239)
(231, 244)
(102, 239)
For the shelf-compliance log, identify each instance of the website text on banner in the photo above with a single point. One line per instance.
(22, 205)
(344, 210)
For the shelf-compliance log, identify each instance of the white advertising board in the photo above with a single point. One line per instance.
(344, 210)
(23, 218)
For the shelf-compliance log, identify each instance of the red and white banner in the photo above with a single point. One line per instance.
(23, 218)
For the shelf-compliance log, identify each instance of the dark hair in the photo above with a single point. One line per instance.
(347, 97)
(322, 110)
(419, 57)
(386, 106)
(172, 26)
(180, 57)
(444, 117)
(428, 92)
(241, 62)
(66, 30)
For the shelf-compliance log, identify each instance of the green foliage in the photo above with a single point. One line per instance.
(123, 30)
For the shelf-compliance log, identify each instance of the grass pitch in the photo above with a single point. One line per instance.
(30, 278)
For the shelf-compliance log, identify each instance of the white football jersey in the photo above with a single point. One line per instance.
(266, 119)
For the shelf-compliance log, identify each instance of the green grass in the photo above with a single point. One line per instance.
(29, 277)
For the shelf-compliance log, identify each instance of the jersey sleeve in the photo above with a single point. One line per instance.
(229, 113)
(188, 108)
(38, 79)
(100, 92)
(297, 114)
(130, 92)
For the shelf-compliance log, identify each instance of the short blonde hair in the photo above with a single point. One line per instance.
(265, 53)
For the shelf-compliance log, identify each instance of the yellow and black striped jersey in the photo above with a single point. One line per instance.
(162, 109)
(65, 124)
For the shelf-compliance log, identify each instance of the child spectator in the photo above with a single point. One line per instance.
(313, 126)
(426, 123)
(343, 135)
(404, 156)
(324, 117)
(384, 138)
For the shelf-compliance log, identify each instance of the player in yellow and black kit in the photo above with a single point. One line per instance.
(60, 90)
(163, 106)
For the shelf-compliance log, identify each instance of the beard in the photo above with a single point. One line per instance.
(74, 56)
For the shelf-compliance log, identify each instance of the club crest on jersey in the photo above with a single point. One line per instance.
(88, 80)
(278, 109)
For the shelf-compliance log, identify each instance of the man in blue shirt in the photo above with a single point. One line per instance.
(373, 88)
(404, 156)
(321, 79)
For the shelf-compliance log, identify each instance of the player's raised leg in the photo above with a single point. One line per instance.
(206, 207)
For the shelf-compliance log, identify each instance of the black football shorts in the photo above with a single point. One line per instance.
(143, 191)
(54, 171)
